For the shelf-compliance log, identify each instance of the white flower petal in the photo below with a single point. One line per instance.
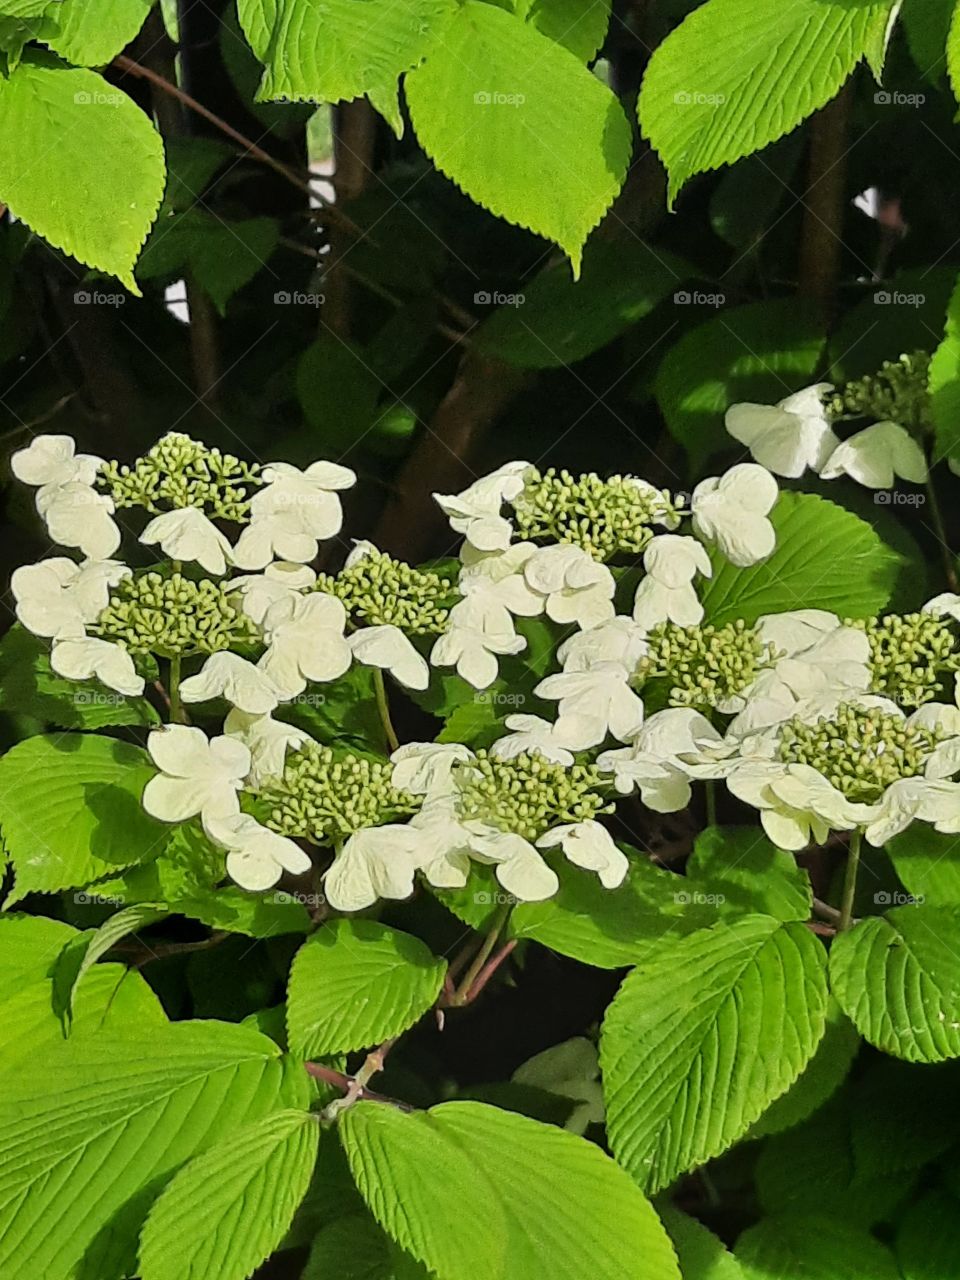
(227, 675)
(86, 658)
(589, 845)
(187, 534)
(389, 649)
(875, 455)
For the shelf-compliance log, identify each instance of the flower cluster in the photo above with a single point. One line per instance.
(705, 666)
(150, 613)
(181, 472)
(378, 590)
(911, 655)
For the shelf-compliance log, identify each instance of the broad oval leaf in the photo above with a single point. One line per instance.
(90, 35)
(814, 1245)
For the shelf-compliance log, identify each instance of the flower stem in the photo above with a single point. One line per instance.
(850, 880)
(940, 529)
(383, 706)
(176, 706)
(711, 803)
(464, 993)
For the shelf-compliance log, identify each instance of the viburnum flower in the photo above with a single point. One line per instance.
(241, 683)
(875, 456)
(185, 533)
(591, 846)
(77, 516)
(198, 775)
(389, 649)
(787, 437)
(267, 740)
(256, 856)
(57, 598)
(426, 768)
(619, 639)
(654, 763)
(293, 512)
(305, 641)
(376, 862)
(946, 605)
(85, 658)
(577, 588)
(666, 593)
(474, 640)
(494, 581)
(592, 704)
(528, 734)
(476, 511)
(52, 461)
(282, 580)
(731, 510)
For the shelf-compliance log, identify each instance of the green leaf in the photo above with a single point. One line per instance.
(222, 256)
(29, 686)
(746, 870)
(114, 930)
(904, 315)
(701, 1255)
(928, 865)
(928, 1238)
(919, 1124)
(91, 35)
(927, 26)
(29, 946)
(70, 811)
(816, 1246)
(944, 378)
(578, 27)
(355, 983)
(746, 200)
(558, 321)
(701, 1038)
(354, 1248)
(520, 1179)
(97, 1119)
(227, 1210)
(520, 125)
(729, 80)
(760, 352)
(897, 977)
(338, 391)
(64, 116)
(825, 558)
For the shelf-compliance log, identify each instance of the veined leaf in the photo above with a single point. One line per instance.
(944, 378)
(816, 1246)
(354, 1248)
(222, 256)
(743, 869)
(578, 27)
(928, 865)
(91, 35)
(702, 1255)
(112, 931)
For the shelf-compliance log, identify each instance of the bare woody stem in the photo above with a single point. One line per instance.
(356, 1086)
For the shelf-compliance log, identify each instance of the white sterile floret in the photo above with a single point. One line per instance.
(946, 605)
(576, 587)
(53, 460)
(787, 437)
(593, 703)
(426, 768)
(256, 856)
(240, 682)
(876, 455)
(198, 775)
(528, 734)
(77, 516)
(654, 763)
(376, 862)
(476, 511)
(494, 580)
(619, 639)
(57, 598)
(280, 581)
(267, 740)
(591, 846)
(731, 510)
(667, 593)
(305, 641)
(85, 657)
(517, 864)
(473, 641)
(293, 512)
(187, 534)
(389, 649)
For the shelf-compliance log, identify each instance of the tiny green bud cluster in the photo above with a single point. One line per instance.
(182, 472)
(909, 655)
(861, 751)
(528, 794)
(898, 393)
(325, 795)
(377, 590)
(173, 616)
(704, 666)
(604, 517)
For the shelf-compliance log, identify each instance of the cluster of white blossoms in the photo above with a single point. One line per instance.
(238, 626)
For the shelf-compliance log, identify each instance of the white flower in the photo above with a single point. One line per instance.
(256, 856)
(494, 581)
(732, 510)
(267, 740)
(591, 846)
(187, 534)
(577, 588)
(292, 513)
(241, 683)
(529, 734)
(77, 516)
(946, 605)
(85, 657)
(472, 646)
(787, 437)
(666, 593)
(198, 775)
(936, 801)
(53, 461)
(476, 511)
(426, 768)
(280, 581)
(617, 640)
(592, 704)
(876, 455)
(654, 763)
(279, 535)
(377, 862)
(305, 642)
(57, 598)
(518, 865)
(389, 649)
(443, 844)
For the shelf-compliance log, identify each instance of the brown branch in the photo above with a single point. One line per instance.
(824, 204)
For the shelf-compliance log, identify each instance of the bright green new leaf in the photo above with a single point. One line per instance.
(944, 380)
(743, 869)
(29, 946)
(825, 558)
(579, 27)
(702, 1037)
(114, 930)
(953, 53)
(90, 35)
(541, 1201)
(701, 1255)
(229, 1208)
(897, 978)
(928, 865)
(70, 811)
(733, 78)
(355, 983)
(520, 125)
(813, 1245)
(52, 120)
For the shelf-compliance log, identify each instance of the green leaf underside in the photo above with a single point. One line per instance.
(521, 1180)
(96, 1120)
(70, 811)
(702, 1256)
(520, 125)
(733, 78)
(825, 558)
(229, 1208)
(52, 120)
(111, 932)
(356, 983)
(702, 1038)
(897, 978)
(815, 1246)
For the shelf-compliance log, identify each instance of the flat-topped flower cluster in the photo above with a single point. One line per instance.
(818, 722)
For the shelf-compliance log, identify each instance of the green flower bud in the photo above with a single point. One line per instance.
(173, 616)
